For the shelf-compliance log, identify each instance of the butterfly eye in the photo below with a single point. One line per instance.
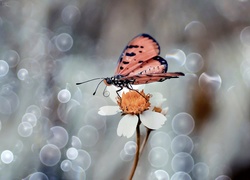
(108, 81)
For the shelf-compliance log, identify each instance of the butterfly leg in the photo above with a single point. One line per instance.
(118, 91)
(129, 86)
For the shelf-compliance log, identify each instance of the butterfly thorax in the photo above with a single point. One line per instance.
(118, 80)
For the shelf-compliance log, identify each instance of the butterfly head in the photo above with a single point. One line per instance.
(108, 81)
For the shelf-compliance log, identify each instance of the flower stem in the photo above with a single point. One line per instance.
(145, 140)
(136, 160)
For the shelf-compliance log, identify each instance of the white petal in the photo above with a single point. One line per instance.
(157, 99)
(108, 110)
(127, 125)
(138, 87)
(164, 111)
(152, 120)
(113, 95)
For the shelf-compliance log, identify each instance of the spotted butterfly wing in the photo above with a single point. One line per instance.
(138, 51)
(139, 64)
(152, 70)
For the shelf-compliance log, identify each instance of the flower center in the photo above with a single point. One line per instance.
(134, 102)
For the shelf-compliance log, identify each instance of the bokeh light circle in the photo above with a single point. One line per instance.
(200, 171)
(66, 165)
(25, 129)
(183, 123)
(34, 110)
(182, 162)
(73, 174)
(83, 161)
(176, 55)
(22, 74)
(70, 14)
(59, 136)
(76, 142)
(195, 30)
(64, 42)
(182, 143)
(7, 157)
(64, 96)
(9, 102)
(4, 68)
(223, 177)
(30, 118)
(194, 62)
(161, 175)
(125, 157)
(12, 58)
(50, 155)
(130, 148)
(158, 157)
(210, 82)
(160, 139)
(181, 176)
(5, 107)
(88, 135)
(38, 176)
(72, 153)
(245, 36)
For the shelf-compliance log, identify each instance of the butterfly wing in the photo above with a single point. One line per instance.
(154, 65)
(149, 78)
(139, 50)
(153, 70)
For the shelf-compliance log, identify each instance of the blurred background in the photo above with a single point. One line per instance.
(49, 127)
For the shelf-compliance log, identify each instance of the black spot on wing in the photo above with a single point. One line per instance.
(132, 46)
(136, 46)
(130, 54)
(125, 62)
(140, 61)
(121, 68)
(150, 37)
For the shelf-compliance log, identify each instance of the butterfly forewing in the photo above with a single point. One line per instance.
(139, 50)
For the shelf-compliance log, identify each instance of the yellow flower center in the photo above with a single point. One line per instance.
(134, 102)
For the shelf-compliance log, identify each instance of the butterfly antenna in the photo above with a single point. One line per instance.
(105, 92)
(98, 85)
(88, 81)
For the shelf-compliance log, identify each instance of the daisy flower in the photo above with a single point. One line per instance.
(137, 108)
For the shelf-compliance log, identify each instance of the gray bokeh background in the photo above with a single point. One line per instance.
(51, 45)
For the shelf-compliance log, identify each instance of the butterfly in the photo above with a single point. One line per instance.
(139, 63)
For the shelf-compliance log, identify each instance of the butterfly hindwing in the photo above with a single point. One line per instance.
(149, 78)
(139, 50)
(154, 65)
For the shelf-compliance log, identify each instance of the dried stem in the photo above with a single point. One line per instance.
(136, 160)
(145, 140)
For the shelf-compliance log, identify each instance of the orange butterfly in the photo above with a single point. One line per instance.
(139, 63)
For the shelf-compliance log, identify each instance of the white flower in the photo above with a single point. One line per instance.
(137, 106)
